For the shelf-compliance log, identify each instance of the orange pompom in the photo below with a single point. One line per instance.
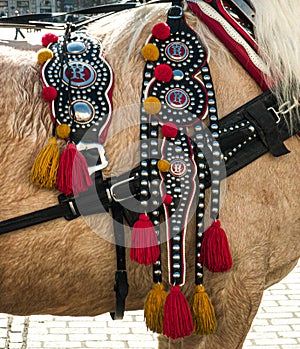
(150, 52)
(163, 165)
(152, 105)
(43, 55)
(63, 131)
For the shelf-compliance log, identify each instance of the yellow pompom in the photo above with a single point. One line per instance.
(150, 52)
(43, 55)
(63, 131)
(163, 165)
(152, 105)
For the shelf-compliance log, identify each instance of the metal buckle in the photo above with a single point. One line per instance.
(246, 9)
(101, 151)
(284, 108)
(175, 16)
(118, 184)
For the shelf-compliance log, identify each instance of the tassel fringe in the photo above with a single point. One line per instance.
(178, 321)
(215, 251)
(144, 247)
(72, 175)
(203, 312)
(44, 169)
(154, 308)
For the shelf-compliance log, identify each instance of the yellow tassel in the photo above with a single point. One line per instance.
(154, 308)
(44, 169)
(203, 312)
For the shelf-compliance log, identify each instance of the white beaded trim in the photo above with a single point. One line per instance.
(212, 13)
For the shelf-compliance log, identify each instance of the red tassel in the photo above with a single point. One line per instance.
(144, 247)
(215, 251)
(178, 321)
(72, 175)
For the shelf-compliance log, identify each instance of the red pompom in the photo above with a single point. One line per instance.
(144, 247)
(178, 321)
(161, 31)
(48, 39)
(215, 252)
(49, 93)
(72, 174)
(163, 72)
(167, 199)
(169, 130)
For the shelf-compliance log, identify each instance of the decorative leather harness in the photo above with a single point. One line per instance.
(177, 93)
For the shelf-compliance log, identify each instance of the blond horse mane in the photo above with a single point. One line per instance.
(278, 36)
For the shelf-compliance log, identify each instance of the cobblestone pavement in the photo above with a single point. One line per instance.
(276, 326)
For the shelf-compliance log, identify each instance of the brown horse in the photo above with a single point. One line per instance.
(64, 268)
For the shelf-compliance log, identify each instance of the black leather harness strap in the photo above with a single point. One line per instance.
(66, 208)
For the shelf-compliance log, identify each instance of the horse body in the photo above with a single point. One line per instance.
(64, 268)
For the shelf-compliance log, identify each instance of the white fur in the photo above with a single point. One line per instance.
(279, 44)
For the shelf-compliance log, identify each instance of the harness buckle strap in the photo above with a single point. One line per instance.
(284, 109)
(69, 203)
(266, 127)
(125, 190)
(83, 146)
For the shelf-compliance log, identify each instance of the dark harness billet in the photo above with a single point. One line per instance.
(247, 133)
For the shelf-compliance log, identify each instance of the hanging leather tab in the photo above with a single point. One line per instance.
(121, 289)
(121, 283)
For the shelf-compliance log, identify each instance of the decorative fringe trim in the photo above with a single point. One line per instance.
(144, 247)
(203, 312)
(178, 321)
(44, 169)
(154, 308)
(215, 251)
